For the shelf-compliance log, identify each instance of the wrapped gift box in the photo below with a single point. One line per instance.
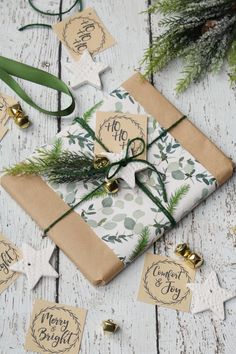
(104, 234)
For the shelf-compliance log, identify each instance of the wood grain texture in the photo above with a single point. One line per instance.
(210, 104)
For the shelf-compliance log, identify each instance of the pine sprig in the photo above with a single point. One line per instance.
(96, 194)
(142, 243)
(87, 115)
(58, 165)
(232, 62)
(200, 32)
(176, 197)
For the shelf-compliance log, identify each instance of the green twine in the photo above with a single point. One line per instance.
(165, 131)
(32, 25)
(89, 195)
(122, 163)
(133, 158)
(55, 13)
(91, 132)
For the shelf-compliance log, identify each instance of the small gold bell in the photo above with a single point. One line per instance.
(182, 250)
(192, 259)
(100, 162)
(109, 326)
(111, 186)
(18, 115)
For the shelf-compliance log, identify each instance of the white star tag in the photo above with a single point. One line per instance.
(86, 71)
(128, 172)
(35, 264)
(210, 296)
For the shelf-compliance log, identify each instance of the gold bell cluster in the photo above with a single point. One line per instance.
(111, 186)
(19, 117)
(192, 259)
(109, 327)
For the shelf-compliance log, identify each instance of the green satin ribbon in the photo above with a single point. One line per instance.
(9, 68)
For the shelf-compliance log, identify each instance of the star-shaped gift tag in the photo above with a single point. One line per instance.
(86, 71)
(210, 296)
(35, 264)
(128, 172)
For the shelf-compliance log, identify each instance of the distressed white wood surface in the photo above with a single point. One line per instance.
(211, 105)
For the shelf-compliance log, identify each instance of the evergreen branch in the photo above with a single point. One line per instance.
(58, 166)
(142, 243)
(87, 115)
(176, 197)
(232, 62)
(97, 194)
(167, 6)
(201, 32)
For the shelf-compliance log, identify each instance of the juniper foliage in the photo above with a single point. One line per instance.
(201, 32)
(58, 165)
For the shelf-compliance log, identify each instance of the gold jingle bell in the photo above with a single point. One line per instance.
(100, 162)
(182, 250)
(109, 326)
(18, 116)
(192, 259)
(111, 186)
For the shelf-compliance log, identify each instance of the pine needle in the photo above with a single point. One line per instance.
(142, 243)
(58, 166)
(232, 62)
(200, 32)
(176, 197)
(97, 194)
(87, 115)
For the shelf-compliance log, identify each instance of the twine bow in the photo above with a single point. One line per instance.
(132, 158)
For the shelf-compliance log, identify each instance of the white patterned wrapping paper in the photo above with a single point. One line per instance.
(130, 222)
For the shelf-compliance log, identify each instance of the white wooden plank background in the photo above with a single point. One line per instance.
(210, 104)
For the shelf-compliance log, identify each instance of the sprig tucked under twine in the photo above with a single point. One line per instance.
(60, 13)
(64, 166)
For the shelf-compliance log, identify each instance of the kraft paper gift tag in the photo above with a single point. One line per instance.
(5, 102)
(84, 30)
(116, 129)
(9, 255)
(55, 328)
(164, 282)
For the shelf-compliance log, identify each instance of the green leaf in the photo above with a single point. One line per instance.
(179, 175)
(129, 223)
(107, 202)
(118, 217)
(109, 225)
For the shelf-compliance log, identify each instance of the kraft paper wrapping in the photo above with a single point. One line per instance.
(73, 235)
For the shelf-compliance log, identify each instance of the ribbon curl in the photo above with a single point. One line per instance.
(9, 68)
